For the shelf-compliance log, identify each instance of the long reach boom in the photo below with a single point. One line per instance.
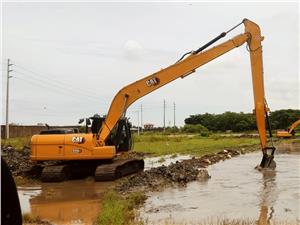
(134, 91)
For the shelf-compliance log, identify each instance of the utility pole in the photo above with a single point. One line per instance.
(138, 126)
(141, 117)
(164, 115)
(174, 114)
(7, 98)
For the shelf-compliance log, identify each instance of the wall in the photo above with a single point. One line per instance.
(24, 131)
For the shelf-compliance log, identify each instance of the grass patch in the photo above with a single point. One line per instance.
(119, 210)
(159, 144)
(17, 143)
(19, 181)
(29, 218)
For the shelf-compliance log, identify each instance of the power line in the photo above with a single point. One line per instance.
(53, 84)
(42, 85)
(64, 84)
(48, 84)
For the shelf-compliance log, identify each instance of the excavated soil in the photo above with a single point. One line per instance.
(176, 173)
(20, 164)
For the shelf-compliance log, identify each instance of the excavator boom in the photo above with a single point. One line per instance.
(129, 94)
(113, 135)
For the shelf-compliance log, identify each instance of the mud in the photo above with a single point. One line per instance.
(19, 162)
(79, 201)
(236, 191)
(179, 173)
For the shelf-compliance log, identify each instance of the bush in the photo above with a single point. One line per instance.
(190, 128)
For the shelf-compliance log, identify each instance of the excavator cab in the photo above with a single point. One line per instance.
(120, 136)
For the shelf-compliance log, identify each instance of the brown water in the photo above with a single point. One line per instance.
(235, 191)
(72, 202)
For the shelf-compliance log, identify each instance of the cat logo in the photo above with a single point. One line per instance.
(152, 81)
(78, 140)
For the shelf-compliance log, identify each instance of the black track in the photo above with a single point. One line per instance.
(117, 169)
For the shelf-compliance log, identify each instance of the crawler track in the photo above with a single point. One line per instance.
(118, 168)
(103, 171)
(56, 173)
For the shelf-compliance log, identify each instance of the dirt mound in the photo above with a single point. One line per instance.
(176, 173)
(19, 162)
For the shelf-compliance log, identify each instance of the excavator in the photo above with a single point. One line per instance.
(290, 132)
(100, 150)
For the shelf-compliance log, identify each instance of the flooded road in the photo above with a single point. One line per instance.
(72, 202)
(235, 191)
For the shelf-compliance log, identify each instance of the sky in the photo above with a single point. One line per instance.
(70, 59)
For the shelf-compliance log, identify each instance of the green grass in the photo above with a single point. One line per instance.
(119, 210)
(158, 144)
(29, 218)
(17, 143)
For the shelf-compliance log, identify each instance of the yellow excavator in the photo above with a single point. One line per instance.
(99, 150)
(290, 132)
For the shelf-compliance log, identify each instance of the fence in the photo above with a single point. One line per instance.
(24, 131)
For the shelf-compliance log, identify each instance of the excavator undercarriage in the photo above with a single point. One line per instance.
(100, 170)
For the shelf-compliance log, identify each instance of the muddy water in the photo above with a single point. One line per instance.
(72, 202)
(235, 191)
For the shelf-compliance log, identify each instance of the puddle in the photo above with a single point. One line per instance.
(235, 191)
(72, 202)
(166, 160)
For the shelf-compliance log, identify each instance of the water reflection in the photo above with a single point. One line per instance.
(236, 191)
(72, 202)
(269, 195)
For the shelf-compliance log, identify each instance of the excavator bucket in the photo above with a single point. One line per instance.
(268, 159)
(268, 162)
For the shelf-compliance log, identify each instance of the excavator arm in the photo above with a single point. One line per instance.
(186, 66)
(293, 126)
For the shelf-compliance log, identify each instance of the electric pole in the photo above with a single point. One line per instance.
(174, 114)
(164, 115)
(138, 126)
(141, 117)
(7, 98)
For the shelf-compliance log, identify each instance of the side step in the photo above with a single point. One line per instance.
(56, 173)
(117, 169)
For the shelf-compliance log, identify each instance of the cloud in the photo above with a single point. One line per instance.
(133, 49)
